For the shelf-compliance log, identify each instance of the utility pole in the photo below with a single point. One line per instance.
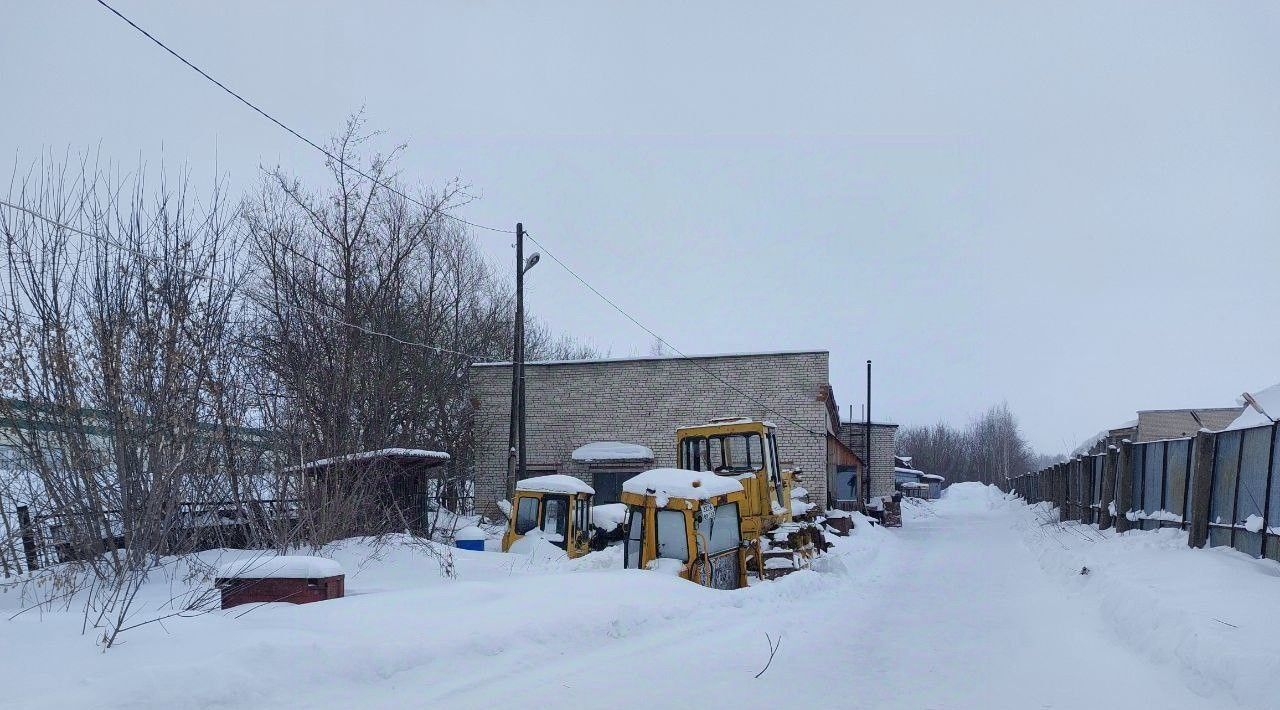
(521, 267)
(515, 430)
(867, 493)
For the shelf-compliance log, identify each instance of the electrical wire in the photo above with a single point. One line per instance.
(660, 339)
(215, 279)
(392, 189)
(296, 134)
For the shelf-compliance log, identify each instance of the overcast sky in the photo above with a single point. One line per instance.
(1069, 206)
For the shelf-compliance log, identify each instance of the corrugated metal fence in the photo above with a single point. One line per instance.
(1221, 487)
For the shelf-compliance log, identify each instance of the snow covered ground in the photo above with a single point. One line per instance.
(973, 604)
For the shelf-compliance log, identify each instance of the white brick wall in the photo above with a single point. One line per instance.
(884, 442)
(643, 401)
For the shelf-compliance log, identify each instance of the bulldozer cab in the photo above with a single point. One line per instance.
(688, 524)
(745, 450)
(555, 508)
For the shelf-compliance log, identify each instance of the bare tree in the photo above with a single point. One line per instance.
(989, 450)
(119, 318)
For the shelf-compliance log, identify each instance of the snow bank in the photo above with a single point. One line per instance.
(667, 483)
(611, 451)
(405, 636)
(1208, 614)
(280, 567)
(609, 517)
(555, 483)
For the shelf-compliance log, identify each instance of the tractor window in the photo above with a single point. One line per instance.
(582, 516)
(635, 538)
(742, 453)
(555, 518)
(526, 515)
(673, 537)
(728, 453)
(720, 532)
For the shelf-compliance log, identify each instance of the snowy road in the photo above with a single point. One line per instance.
(973, 604)
(955, 613)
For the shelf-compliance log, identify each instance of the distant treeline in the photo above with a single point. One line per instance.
(989, 450)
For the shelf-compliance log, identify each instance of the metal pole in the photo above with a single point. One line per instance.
(520, 467)
(516, 338)
(867, 493)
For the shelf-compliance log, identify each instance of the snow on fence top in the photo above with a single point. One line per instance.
(419, 455)
(1268, 399)
(555, 483)
(899, 469)
(932, 477)
(678, 483)
(280, 567)
(612, 451)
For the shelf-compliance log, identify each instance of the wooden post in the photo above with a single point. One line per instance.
(1060, 490)
(28, 538)
(1108, 488)
(1124, 487)
(1086, 494)
(1201, 488)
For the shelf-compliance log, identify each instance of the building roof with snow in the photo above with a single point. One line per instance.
(603, 451)
(1261, 408)
(594, 361)
(401, 457)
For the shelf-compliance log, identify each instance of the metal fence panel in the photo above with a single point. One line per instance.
(1272, 538)
(1255, 456)
(1152, 484)
(1222, 502)
(1177, 473)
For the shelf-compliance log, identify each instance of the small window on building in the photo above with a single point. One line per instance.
(673, 537)
(526, 515)
(845, 485)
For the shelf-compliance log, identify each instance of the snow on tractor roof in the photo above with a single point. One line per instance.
(280, 567)
(679, 483)
(611, 451)
(554, 483)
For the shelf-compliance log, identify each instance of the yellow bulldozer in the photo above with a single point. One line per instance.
(556, 508)
(746, 450)
(687, 524)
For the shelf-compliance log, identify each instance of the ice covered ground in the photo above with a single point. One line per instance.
(974, 604)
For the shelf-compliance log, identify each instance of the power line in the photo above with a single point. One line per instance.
(338, 160)
(660, 339)
(296, 134)
(215, 279)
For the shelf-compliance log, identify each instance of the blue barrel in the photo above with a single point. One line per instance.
(470, 538)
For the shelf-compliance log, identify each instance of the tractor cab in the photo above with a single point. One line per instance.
(688, 524)
(745, 450)
(555, 508)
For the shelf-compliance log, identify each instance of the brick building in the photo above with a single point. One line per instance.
(636, 405)
(884, 442)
